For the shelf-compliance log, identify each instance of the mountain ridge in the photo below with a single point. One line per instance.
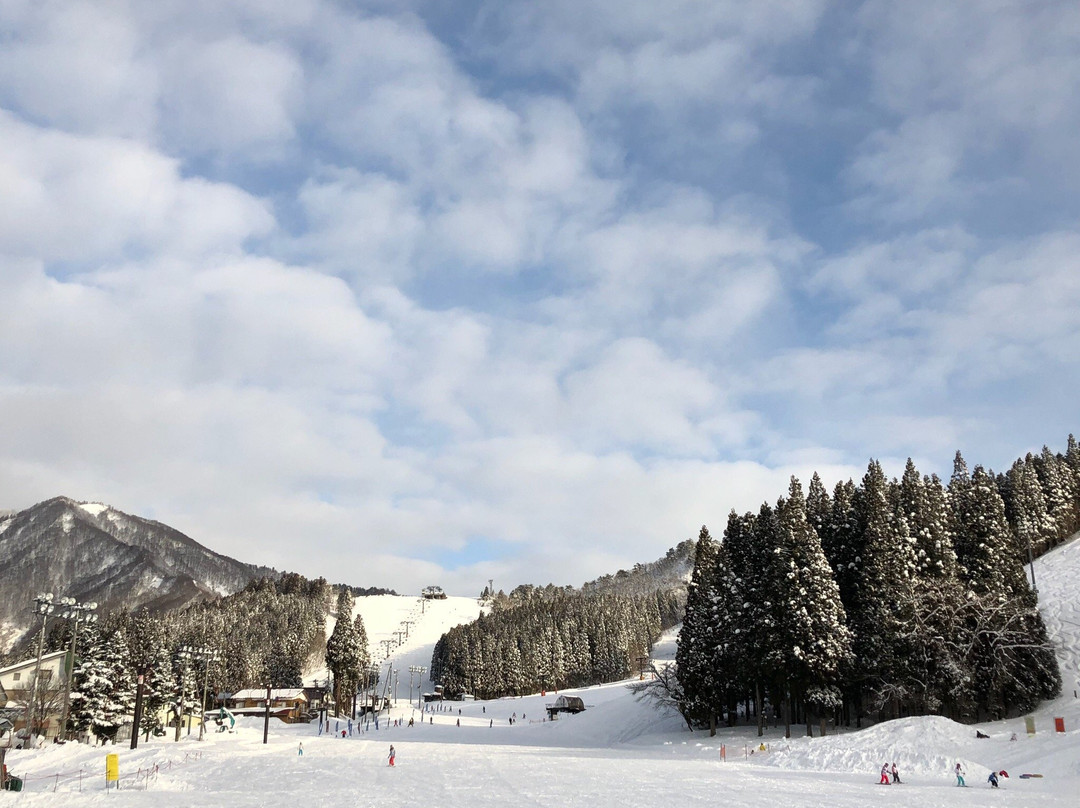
(93, 551)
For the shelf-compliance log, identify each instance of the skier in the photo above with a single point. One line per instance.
(884, 781)
(300, 750)
(960, 775)
(895, 773)
(459, 722)
(393, 754)
(992, 780)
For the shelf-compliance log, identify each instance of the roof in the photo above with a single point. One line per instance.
(30, 663)
(275, 694)
(569, 701)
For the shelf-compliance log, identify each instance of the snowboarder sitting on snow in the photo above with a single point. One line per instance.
(960, 775)
(895, 773)
(884, 775)
(992, 779)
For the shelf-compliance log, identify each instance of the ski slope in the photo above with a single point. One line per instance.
(618, 751)
(385, 618)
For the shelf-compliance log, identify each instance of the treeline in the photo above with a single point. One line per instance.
(668, 572)
(266, 634)
(551, 638)
(889, 598)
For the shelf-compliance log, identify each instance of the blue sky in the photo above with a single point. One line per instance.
(409, 293)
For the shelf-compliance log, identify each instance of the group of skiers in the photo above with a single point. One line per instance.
(890, 775)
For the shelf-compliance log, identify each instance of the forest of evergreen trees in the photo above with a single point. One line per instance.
(549, 638)
(267, 633)
(889, 598)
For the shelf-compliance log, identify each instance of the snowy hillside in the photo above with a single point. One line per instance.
(384, 615)
(619, 750)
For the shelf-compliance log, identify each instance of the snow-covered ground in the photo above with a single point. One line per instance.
(617, 751)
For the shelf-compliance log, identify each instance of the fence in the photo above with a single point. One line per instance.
(73, 780)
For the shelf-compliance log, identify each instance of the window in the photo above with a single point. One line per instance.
(17, 676)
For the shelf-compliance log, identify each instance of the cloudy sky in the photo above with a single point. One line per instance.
(416, 292)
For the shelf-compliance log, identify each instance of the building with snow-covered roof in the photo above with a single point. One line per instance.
(287, 703)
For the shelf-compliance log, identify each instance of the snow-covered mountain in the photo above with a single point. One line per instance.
(92, 551)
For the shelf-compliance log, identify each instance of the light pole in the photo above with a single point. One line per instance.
(206, 656)
(184, 654)
(420, 669)
(45, 607)
(74, 610)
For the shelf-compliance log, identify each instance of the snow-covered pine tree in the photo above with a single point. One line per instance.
(1014, 665)
(883, 596)
(1056, 479)
(696, 646)
(812, 626)
(103, 689)
(729, 645)
(344, 655)
(1025, 507)
(936, 672)
(818, 505)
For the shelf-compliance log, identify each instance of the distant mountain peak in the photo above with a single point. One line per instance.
(92, 551)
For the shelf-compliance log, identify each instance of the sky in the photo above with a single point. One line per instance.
(409, 293)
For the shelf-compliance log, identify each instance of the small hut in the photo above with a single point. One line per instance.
(565, 704)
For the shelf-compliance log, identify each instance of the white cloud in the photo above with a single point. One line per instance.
(79, 65)
(76, 198)
(231, 96)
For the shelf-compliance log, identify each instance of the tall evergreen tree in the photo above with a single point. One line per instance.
(883, 597)
(344, 655)
(814, 640)
(697, 644)
(103, 689)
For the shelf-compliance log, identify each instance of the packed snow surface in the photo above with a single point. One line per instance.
(618, 752)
